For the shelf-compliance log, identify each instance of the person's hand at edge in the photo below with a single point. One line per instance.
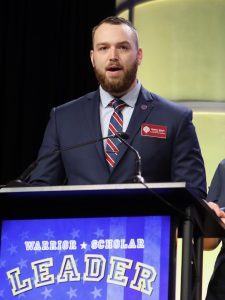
(212, 243)
(218, 210)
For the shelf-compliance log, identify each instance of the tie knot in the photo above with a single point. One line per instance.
(117, 104)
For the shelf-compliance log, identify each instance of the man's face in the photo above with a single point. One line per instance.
(115, 58)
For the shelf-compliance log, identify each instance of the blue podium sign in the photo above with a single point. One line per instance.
(106, 258)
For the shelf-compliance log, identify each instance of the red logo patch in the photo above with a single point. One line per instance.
(153, 130)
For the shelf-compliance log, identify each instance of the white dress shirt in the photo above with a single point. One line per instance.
(106, 111)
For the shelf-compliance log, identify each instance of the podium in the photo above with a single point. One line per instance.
(182, 215)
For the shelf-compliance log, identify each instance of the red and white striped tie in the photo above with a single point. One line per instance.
(115, 125)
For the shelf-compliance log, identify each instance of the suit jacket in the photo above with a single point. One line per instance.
(216, 287)
(217, 187)
(173, 157)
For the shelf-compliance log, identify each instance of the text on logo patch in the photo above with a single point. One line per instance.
(153, 130)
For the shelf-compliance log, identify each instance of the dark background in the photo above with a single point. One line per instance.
(44, 62)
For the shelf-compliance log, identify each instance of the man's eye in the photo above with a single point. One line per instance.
(123, 47)
(102, 48)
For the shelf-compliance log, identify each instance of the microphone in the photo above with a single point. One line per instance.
(21, 180)
(138, 177)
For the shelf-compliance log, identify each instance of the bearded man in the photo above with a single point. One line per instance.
(160, 130)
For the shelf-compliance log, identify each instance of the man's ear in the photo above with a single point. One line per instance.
(140, 55)
(92, 57)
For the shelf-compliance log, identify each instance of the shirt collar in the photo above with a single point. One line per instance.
(130, 98)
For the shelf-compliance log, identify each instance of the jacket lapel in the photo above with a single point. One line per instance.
(91, 110)
(143, 107)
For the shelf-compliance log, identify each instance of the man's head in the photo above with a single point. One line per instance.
(115, 55)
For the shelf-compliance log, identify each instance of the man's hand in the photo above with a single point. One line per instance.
(212, 243)
(219, 212)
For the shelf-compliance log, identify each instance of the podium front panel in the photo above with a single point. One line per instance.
(106, 258)
(82, 261)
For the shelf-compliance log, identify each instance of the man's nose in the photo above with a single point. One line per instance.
(113, 55)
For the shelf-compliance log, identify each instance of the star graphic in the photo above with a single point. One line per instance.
(12, 249)
(96, 293)
(47, 293)
(4, 237)
(21, 296)
(75, 233)
(50, 234)
(33, 279)
(88, 248)
(22, 263)
(56, 279)
(37, 251)
(2, 293)
(83, 245)
(72, 293)
(2, 263)
(24, 235)
(99, 233)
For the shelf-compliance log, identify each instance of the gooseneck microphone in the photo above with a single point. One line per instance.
(22, 179)
(138, 178)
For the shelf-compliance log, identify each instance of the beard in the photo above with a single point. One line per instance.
(117, 85)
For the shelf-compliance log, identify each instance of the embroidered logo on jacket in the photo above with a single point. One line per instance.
(152, 130)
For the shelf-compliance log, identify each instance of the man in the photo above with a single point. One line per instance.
(216, 287)
(160, 130)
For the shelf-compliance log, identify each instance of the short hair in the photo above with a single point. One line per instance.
(115, 20)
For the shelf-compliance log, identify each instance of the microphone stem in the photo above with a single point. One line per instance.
(86, 143)
(27, 173)
(138, 178)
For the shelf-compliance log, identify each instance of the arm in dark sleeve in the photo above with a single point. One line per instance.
(217, 187)
(187, 160)
(49, 170)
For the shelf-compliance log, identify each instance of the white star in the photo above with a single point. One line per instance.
(33, 279)
(99, 232)
(83, 245)
(2, 263)
(96, 293)
(22, 263)
(88, 248)
(21, 296)
(75, 233)
(50, 234)
(12, 249)
(2, 293)
(4, 237)
(72, 293)
(47, 293)
(24, 235)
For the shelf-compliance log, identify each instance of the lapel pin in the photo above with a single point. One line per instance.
(144, 106)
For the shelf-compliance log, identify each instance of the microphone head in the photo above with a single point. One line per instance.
(123, 135)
